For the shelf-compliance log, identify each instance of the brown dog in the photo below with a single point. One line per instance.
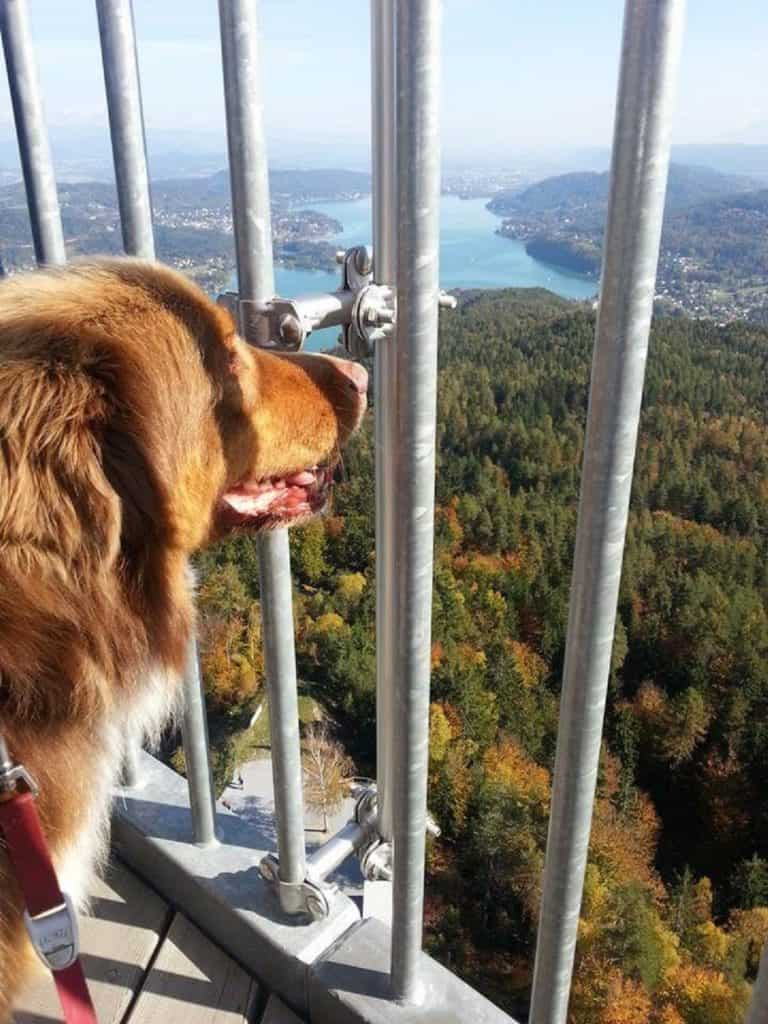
(135, 427)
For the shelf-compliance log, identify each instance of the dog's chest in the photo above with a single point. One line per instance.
(139, 720)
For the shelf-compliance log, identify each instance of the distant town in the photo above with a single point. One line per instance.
(713, 262)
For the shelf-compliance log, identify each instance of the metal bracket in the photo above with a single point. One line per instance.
(365, 311)
(375, 855)
(305, 897)
(54, 934)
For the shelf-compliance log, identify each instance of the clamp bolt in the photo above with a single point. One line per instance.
(363, 262)
(291, 331)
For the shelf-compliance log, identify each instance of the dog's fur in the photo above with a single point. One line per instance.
(135, 427)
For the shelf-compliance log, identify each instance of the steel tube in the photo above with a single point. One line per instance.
(34, 149)
(326, 858)
(253, 242)
(384, 272)
(247, 149)
(650, 54)
(326, 309)
(197, 755)
(758, 1008)
(194, 731)
(418, 191)
(126, 124)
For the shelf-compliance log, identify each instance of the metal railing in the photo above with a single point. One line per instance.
(129, 151)
(649, 59)
(34, 149)
(389, 827)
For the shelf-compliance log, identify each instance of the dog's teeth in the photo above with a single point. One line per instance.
(302, 479)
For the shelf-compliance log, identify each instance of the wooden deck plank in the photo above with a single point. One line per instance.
(117, 940)
(192, 981)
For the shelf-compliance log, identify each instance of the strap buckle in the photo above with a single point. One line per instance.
(54, 934)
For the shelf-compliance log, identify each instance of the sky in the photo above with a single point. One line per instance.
(518, 75)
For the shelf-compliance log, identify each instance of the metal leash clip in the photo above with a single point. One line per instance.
(13, 776)
(55, 936)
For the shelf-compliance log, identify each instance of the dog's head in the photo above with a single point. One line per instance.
(283, 420)
(145, 418)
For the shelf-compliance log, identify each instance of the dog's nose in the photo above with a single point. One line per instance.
(356, 374)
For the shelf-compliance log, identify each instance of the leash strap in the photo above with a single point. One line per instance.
(50, 918)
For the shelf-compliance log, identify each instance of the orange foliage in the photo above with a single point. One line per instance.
(334, 526)
(667, 1014)
(627, 1001)
(603, 995)
(530, 666)
(449, 516)
(469, 656)
(625, 846)
(491, 564)
(726, 791)
(751, 927)
(650, 702)
(701, 994)
(507, 763)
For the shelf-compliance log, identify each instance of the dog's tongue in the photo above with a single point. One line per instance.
(254, 499)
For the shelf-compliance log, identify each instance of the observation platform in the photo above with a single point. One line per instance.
(182, 933)
(146, 962)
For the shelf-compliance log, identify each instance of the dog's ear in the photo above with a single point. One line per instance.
(54, 497)
(230, 362)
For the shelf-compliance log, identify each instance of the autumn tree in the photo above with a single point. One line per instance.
(327, 772)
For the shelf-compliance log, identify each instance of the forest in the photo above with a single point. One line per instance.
(675, 907)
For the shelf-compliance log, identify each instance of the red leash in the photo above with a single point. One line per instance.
(50, 918)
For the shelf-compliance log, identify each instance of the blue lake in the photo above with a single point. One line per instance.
(471, 256)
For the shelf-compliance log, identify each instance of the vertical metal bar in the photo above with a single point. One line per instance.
(651, 46)
(418, 192)
(202, 800)
(126, 123)
(34, 150)
(758, 1008)
(253, 242)
(384, 272)
(280, 658)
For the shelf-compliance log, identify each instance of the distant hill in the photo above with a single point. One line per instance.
(286, 186)
(192, 219)
(585, 193)
(714, 248)
(729, 233)
(729, 158)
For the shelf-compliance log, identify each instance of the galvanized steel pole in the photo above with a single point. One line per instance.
(126, 123)
(253, 242)
(651, 45)
(197, 761)
(384, 272)
(758, 1008)
(34, 150)
(418, 192)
